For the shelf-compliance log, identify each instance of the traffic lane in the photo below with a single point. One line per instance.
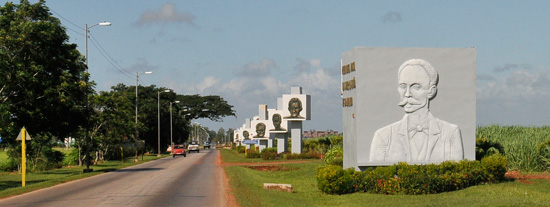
(132, 186)
(201, 185)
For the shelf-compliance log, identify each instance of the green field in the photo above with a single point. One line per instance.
(247, 185)
(520, 145)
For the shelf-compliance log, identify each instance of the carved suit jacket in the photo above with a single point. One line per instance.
(391, 143)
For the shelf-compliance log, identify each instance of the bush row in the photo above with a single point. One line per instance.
(271, 154)
(403, 178)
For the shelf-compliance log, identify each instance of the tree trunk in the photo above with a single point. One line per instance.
(79, 156)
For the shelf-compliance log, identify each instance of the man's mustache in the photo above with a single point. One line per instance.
(405, 101)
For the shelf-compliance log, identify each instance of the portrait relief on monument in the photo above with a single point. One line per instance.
(419, 135)
(296, 107)
(277, 121)
(414, 105)
(246, 135)
(260, 130)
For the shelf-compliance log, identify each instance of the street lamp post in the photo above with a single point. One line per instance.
(137, 132)
(165, 91)
(87, 100)
(171, 141)
(86, 37)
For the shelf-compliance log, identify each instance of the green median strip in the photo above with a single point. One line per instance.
(247, 185)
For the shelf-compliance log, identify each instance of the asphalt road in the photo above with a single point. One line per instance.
(195, 180)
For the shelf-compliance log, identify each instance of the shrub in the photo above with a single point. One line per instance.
(485, 147)
(269, 156)
(253, 154)
(403, 178)
(71, 158)
(334, 153)
(494, 167)
(269, 149)
(337, 161)
(335, 180)
(241, 149)
(9, 165)
(307, 155)
(290, 156)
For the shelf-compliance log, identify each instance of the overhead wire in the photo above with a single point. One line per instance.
(67, 20)
(95, 43)
(110, 57)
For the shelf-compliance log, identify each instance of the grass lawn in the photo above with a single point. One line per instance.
(247, 185)
(10, 183)
(3, 156)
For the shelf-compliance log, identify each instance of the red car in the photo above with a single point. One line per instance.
(179, 149)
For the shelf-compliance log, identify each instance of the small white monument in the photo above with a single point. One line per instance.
(277, 124)
(298, 109)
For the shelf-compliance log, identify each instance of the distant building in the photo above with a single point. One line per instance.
(314, 133)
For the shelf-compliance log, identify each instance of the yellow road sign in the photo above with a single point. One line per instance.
(23, 135)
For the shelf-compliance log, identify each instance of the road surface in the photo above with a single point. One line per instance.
(195, 180)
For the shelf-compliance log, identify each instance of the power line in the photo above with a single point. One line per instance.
(67, 20)
(97, 45)
(112, 60)
(74, 31)
(101, 52)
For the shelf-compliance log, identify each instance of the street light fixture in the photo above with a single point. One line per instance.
(165, 91)
(86, 37)
(171, 142)
(137, 132)
(87, 100)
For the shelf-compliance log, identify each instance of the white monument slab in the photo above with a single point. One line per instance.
(415, 105)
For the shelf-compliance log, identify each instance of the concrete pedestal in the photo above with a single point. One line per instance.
(296, 136)
(271, 140)
(282, 143)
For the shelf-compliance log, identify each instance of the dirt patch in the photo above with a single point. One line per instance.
(229, 197)
(265, 168)
(524, 178)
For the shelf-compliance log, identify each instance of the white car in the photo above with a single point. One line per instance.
(193, 146)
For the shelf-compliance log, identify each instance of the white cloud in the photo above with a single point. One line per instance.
(207, 83)
(166, 14)
(245, 93)
(511, 67)
(315, 62)
(520, 98)
(302, 66)
(318, 80)
(259, 69)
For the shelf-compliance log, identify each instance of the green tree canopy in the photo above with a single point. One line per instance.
(43, 82)
(190, 107)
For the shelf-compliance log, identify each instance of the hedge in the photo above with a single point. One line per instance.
(403, 178)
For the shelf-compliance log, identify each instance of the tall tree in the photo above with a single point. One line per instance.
(190, 107)
(220, 136)
(229, 138)
(43, 82)
(113, 119)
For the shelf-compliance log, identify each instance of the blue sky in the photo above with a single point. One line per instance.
(251, 52)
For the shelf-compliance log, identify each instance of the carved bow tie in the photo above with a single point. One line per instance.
(418, 128)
